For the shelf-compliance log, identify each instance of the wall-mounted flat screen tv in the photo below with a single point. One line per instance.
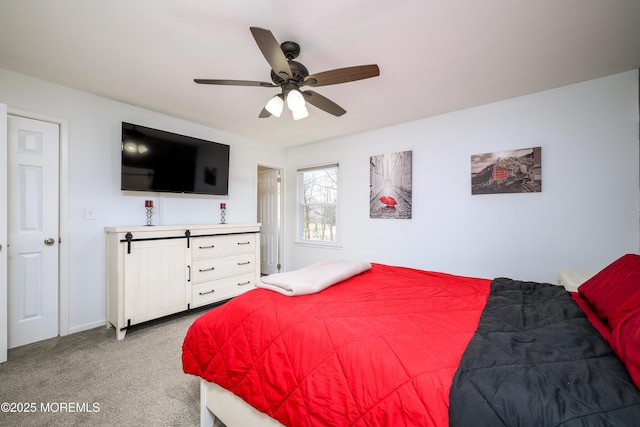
(159, 161)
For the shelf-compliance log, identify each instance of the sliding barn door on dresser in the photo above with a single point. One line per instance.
(155, 279)
(156, 271)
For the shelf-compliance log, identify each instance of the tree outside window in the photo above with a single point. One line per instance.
(318, 197)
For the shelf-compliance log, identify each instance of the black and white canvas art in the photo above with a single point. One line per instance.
(390, 185)
(514, 171)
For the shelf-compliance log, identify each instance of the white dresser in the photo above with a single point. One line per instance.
(156, 271)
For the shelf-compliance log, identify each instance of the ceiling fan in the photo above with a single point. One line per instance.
(291, 75)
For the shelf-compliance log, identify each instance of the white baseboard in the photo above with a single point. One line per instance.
(87, 326)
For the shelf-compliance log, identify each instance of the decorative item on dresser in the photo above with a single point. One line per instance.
(223, 213)
(148, 204)
(157, 271)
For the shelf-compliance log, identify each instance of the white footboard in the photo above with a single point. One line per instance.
(229, 408)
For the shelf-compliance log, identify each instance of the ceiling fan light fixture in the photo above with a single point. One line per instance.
(275, 105)
(291, 75)
(295, 100)
(300, 113)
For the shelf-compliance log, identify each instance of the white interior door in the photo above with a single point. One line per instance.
(3, 233)
(33, 164)
(269, 216)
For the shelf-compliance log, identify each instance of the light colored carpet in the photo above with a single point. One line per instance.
(91, 379)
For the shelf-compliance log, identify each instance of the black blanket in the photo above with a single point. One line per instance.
(536, 360)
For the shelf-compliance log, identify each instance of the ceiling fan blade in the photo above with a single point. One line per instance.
(323, 103)
(233, 82)
(342, 75)
(272, 52)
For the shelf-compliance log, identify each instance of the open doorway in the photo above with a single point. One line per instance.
(270, 216)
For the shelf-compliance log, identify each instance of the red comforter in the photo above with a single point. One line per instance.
(378, 349)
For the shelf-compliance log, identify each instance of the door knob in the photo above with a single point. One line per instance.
(50, 241)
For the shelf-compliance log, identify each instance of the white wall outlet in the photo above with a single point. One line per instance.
(89, 213)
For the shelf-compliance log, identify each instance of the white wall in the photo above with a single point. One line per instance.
(586, 216)
(94, 124)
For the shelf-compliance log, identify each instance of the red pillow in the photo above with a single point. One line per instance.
(629, 307)
(625, 333)
(609, 289)
(625, 341)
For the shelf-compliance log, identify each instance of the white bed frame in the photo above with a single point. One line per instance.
(220, 403)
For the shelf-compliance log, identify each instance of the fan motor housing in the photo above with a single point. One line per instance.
(298, 70)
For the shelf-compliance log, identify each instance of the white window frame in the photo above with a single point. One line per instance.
(301, 207)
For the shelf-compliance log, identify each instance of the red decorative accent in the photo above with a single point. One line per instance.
(388, 200)
(223, 205)
(148, 203)
(500, 173)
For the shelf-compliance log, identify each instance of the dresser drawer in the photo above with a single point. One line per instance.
(217, 268)
(221, 289)
(212, 246)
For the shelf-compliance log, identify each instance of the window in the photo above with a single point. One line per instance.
(318, 202)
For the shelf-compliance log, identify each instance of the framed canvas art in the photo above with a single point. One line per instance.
(514, 171)
(390, 185)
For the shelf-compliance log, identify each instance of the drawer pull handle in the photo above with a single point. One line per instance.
(207, 247)
(245, 283)
(208, 292)
(244, 243)
(202, 270)
(244, 263)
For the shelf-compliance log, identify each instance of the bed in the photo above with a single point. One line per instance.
(400, 346)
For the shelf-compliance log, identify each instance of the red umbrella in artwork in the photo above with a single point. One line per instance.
(388, 200)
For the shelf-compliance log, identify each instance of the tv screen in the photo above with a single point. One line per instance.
(159, 161)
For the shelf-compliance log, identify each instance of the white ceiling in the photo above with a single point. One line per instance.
(435, 56)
